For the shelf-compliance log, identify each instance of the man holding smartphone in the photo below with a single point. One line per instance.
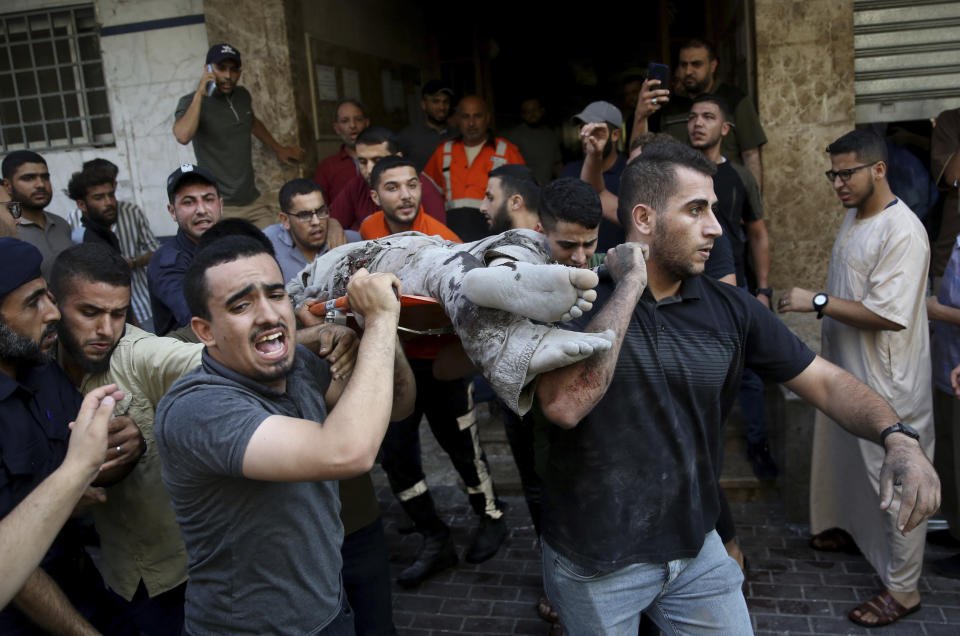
(218, 118)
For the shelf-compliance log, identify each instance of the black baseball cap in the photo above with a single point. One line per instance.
(435, 87)
(185, 170)
(220, 52)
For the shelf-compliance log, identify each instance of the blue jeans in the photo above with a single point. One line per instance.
(700, 595)
(366, 580)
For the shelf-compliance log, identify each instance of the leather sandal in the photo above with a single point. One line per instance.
(886, 608)
(834, 540)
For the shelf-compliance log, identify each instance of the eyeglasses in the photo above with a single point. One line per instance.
(13, 207)
(845, 174)
(307, 215)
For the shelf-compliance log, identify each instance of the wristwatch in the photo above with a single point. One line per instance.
(899, 427)
(766, 291)
(819, 302)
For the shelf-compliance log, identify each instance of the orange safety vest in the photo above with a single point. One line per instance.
(464, 186)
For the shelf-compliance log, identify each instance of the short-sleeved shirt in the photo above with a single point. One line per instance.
(335, 172)
(746, 133)
(165, 280)
(636, 480)
(418, 142)
(34, 413)
(736, 208)
(354, 203)
(140, 539)
(51, 239)
(223, 142)
(264, 556)
(610, 234)
(288, 255)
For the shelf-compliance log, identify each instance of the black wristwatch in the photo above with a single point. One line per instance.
(766, 291)
(819, 302)
(899, 427)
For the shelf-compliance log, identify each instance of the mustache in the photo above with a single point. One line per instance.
(262, 330)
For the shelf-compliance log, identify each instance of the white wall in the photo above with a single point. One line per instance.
(146, 74)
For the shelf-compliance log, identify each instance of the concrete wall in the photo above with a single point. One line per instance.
(146, 72)
(806, 100)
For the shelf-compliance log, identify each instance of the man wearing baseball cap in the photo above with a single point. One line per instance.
(419, 140)
(218, 118)
(195, 205)
(611, 234)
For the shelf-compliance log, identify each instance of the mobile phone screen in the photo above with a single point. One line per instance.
(660, 72)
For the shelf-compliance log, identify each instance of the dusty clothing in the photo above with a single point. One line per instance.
(140, 538)
(881, 262)
(500, 343)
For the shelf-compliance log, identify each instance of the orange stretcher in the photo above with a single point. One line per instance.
(419, 315)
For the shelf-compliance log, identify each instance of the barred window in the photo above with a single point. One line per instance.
(52, 89)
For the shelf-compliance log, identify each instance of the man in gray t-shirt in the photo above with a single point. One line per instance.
(252, 442)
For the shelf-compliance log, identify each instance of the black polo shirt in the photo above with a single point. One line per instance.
(637, 479)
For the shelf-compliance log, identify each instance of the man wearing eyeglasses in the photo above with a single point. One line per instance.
(874, 326)
(301, 235)
(9, 219)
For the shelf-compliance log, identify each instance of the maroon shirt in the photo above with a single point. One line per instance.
(335, 172)
(354, 203)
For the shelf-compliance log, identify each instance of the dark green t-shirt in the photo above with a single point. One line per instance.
(223, 142)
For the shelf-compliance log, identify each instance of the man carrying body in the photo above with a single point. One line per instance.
(195, 205)
(354, 203)
(419, 141)
(459, 167)
(120, 224)
(36, 403)
(696, 70)
(248, 445)
(739, 208)
(638, 440)
(220, 125)
(875, 328)
(334, 172)
(26, 180)
(448, 405)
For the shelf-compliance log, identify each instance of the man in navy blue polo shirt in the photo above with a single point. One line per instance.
(195, 205)
(37, 401)
(631, 489)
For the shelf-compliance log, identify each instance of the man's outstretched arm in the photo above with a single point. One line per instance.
(290, 155)
(568, 394)
(863, 413)
(346, 443)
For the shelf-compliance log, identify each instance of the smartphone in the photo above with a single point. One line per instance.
(212, 86)
(659, 72)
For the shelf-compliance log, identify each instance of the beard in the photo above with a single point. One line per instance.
(73, 347)
(500, 222)
(670, 255)
(24, 351)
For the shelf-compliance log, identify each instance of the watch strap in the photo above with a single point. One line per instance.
(897, 428)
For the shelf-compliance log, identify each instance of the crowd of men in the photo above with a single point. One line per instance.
(169, 403)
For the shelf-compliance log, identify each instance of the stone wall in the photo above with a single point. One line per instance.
(804, 52)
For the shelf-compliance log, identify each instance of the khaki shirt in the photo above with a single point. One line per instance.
(140, 538)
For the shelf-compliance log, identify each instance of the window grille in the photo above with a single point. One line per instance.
(52, 88)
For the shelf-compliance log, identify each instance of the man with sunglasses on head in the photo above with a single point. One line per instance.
(874, 326)
(301, 235)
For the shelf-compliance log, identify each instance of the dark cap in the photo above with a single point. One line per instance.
(187, 169)
(435, 87)
(221, 52)
(20, 263)
(598, 112)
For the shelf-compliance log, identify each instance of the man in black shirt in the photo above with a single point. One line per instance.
(631, 480)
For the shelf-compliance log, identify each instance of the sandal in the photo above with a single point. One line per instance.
(545, 610)
(834, 540)
(886, 608)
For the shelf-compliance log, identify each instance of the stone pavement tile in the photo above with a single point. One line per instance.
(533, 627)
(791, 624)
(438, 622)
(459, 607)
(473, 625)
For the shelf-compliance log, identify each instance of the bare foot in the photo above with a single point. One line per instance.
(546, 293)
(560, 348)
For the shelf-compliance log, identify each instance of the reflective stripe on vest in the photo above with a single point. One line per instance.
(464, 203)
(447, 160)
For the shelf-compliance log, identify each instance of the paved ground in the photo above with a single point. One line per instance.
(790, 588)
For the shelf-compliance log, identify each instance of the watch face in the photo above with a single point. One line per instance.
(820, 299)
(909, 430)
